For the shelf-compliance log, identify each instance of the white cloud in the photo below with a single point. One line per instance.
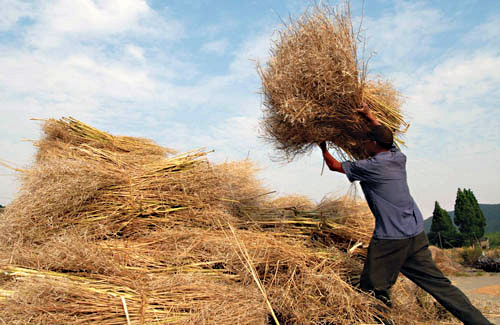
(434, 179)
(218, 47)
(454, 139)
(76, 76)
(12, 11)
(445, 96)
(69, 71)
(253, 50)
(135, 52)
(82, 16)
(403, 34)
(227, 92)
(487, 32)
(59, 21)
(91, 17)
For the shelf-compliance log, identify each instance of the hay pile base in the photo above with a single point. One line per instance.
(108, 230)
(313, 84)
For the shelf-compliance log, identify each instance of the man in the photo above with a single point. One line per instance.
(399, 243)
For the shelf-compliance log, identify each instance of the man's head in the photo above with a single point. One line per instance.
(379, 138)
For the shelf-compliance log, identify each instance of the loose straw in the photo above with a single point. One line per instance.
(244, 255)
(126, 310)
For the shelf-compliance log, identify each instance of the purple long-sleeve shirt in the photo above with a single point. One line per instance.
(383, 181)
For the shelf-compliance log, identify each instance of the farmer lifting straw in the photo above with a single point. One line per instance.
(399, 243)
(312, 88)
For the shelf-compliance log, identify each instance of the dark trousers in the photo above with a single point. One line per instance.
(412, 257)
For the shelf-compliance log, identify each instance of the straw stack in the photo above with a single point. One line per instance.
(314, 82)
(295, 201)
(107, 230)
(108, 186)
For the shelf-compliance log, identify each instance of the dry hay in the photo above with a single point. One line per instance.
(412, 303)
(443, 262)
(350, 212)
(177, 239)
(314, 82)
(295, 201)
(64, 135)
(344, 223)
(106, 199)
(106, 192)
(239, 182)
(179, 272)
(303, 285)
(157, 299)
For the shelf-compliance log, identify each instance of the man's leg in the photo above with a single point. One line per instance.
(421, 269)
(382, 265)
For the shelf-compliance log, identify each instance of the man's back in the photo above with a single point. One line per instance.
(384, 183)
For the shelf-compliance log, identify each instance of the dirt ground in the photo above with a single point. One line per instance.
(484, 292)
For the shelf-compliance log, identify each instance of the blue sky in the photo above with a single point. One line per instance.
(183, 73)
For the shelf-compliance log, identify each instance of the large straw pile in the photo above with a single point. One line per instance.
(109, 230)
(314, 82)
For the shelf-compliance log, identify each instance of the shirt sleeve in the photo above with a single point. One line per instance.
(361, 170)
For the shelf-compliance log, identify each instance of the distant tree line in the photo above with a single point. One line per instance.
(468, 218)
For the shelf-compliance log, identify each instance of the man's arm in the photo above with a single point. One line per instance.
(331, 162)
(365, 111)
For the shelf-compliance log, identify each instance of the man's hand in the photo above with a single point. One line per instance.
(366, 112)
(331, 162)
(364, 109)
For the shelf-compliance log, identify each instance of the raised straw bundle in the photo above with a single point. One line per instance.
(313, 84)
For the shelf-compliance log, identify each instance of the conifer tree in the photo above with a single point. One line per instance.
(468, 216)
(443, 233)
(479, 220)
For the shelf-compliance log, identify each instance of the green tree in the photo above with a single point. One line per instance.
(479, 219)
(468, 216)
(443, 233)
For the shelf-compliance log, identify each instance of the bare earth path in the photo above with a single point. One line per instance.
(483, 291)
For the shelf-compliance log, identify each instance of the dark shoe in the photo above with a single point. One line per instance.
(384, 297)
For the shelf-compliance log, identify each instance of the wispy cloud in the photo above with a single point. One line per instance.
(60, 21)
(403, 35)
(455, 132)
(218, 47)
(12, 11)
(486, 33)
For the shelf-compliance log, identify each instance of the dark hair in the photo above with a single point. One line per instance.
(382, 135)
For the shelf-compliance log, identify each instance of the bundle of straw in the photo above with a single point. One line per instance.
(109, 186)
(66, 134)
(344, 223)
(66, 298)
(313, 84)
(295, 201)
(105, 198)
